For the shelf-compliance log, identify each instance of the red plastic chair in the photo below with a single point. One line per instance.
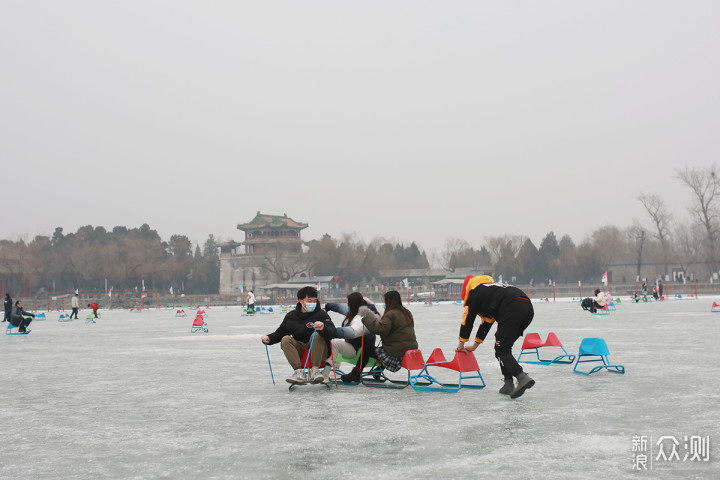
(533, 343)
(464, 363)
(198, 325)
(412, 360)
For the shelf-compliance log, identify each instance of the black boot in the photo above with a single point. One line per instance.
(352, 377)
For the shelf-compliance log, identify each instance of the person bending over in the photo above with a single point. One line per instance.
(512, 310)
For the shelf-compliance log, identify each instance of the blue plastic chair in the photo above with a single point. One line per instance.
(10, 327)
(597, 351)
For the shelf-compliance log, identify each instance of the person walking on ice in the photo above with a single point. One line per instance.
(307, 324)
(251, 302)
(512, 310)
(75, 304)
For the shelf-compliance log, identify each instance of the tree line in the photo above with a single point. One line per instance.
(127, 257)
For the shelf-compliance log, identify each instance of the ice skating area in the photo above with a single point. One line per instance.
(136, 395)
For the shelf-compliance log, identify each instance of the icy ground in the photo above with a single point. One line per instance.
(139, 396)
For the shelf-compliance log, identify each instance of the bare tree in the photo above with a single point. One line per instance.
(637, 236)
(610, 244)
(705, 186)
(688, 246)
(661, 219)
(452, 247)
(283, 265)
(508, 244)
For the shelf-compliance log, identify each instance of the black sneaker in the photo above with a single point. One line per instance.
(21, 330)
(352, 377)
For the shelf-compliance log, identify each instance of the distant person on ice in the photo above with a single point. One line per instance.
(512, 310)
(8, 307)
(20, 318)
(75, 304)
(295, 334)
(593, 304)
(251, 302)
(94, 307)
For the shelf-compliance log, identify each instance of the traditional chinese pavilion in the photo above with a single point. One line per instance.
(266, 232)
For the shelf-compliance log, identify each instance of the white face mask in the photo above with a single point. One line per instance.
(310, 306)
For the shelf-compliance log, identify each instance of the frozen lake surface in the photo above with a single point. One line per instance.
(136, 395)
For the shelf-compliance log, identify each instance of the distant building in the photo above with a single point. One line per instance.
(271, 253)
(267, 233)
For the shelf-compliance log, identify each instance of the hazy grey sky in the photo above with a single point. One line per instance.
(410, 120)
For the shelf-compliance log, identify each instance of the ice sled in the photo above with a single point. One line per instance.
(40, 316)
(715, 307)
(464, 363)
(533, 343)
(595, 350)
(376, 377)
(10, 328)
(64, 318)
(601, 311)
(199, 324)
(352, 361)
(90, 318)
(181, 313)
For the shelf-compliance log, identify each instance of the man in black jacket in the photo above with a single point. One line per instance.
(307, 324)
(8, 307)
(19, 317)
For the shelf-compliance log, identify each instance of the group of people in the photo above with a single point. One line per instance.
(18, 316)
(309, 327)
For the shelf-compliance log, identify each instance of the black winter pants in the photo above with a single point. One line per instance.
(512, 320)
